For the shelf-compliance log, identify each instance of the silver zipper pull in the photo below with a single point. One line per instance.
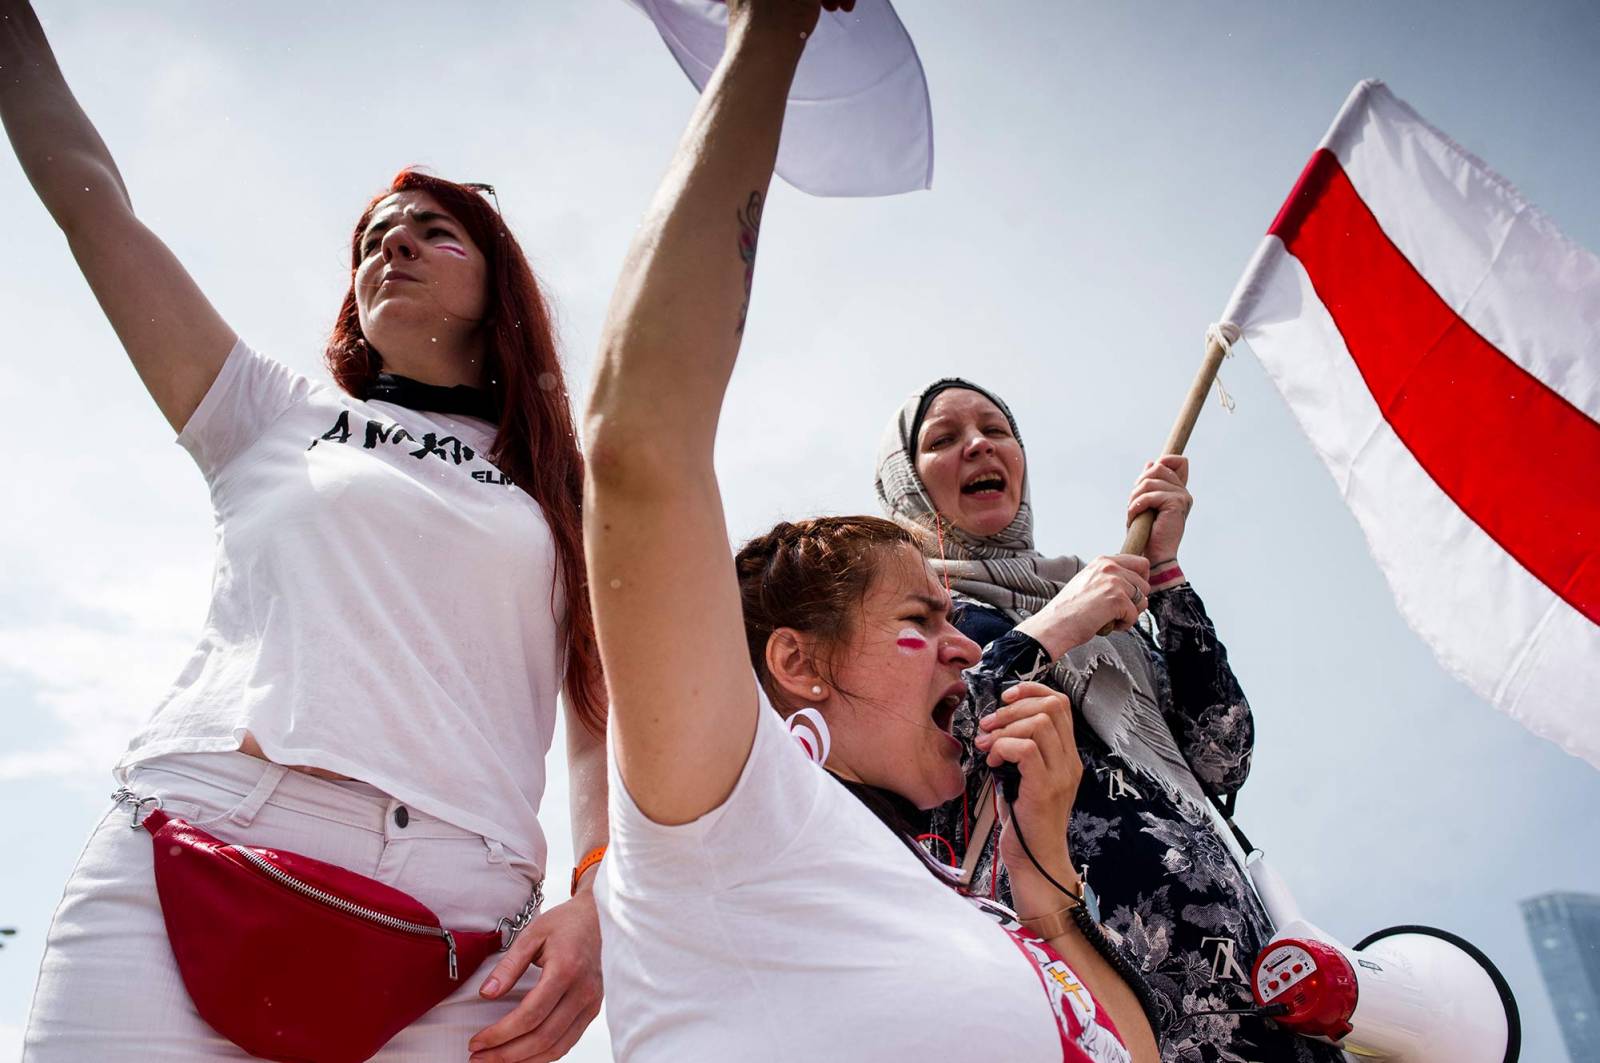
(450, 943)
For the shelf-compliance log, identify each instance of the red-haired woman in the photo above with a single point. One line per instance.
(759, 902)
(398, 599)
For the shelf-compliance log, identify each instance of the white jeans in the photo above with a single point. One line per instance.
(109, 987)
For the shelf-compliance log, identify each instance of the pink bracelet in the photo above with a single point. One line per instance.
(1171, 574)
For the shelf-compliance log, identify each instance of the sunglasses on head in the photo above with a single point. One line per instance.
(484, 188)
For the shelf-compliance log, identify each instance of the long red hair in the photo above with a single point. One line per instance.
(537, 444)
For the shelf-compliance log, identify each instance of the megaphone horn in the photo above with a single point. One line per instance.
(1407, 994)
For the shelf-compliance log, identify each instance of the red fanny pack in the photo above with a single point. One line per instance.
(297, 960)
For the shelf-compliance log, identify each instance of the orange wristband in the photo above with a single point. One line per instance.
(591, 858)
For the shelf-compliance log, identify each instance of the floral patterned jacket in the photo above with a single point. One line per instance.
(1166, 881)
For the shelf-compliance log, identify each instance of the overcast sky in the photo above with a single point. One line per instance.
(1103, 173)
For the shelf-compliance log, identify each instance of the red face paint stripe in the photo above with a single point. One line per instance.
(1515, 456)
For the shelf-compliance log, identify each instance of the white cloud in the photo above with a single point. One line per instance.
(63, 761)
(97, 684)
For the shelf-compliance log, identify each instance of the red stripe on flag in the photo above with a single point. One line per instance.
(1516, 457)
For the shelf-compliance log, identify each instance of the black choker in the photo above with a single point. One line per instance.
(415, 395)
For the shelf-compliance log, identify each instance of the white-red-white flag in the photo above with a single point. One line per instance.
(858, 122)
(1439, 341)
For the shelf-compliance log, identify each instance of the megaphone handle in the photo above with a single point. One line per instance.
(1138, 536)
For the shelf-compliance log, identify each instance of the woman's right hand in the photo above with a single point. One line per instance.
(799, 16)
(1113, 589)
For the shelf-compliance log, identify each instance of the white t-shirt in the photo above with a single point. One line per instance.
(790, 924)
(381, 605)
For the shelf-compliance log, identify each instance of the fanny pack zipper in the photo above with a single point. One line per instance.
(321, 896)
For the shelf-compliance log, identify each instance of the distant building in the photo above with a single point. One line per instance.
(1565, 931)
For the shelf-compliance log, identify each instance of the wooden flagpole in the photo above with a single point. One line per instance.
(1138, 536)
(1139, 531)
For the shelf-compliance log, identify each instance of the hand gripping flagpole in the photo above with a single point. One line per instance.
(1221, 337)
(1219, 345)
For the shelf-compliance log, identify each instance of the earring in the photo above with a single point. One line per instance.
(816, 691)
(811, 731)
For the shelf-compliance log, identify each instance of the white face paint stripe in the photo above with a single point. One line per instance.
(910, 640)
(454, 249)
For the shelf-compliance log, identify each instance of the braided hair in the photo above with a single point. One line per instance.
(812, 576)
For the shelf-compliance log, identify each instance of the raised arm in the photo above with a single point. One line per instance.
(1205, 707)
(176, 339)
(666, 604)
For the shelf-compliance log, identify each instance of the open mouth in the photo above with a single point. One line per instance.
(985, 485)
(944, 711)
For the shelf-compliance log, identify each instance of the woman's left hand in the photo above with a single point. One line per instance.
(1033, 730)
(565, 943)
(1163, 487)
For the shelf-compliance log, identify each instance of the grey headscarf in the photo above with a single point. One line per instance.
(1109, 677)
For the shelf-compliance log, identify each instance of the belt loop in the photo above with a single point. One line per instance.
(497, 852)
(247, 810)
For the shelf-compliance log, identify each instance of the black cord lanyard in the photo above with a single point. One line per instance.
(1009, 778)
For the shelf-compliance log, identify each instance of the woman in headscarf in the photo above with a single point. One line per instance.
(1162, 726)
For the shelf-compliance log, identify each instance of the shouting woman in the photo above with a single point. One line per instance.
(1161, 724)
(776, 718)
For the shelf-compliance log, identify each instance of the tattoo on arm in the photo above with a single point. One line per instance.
(749, 230)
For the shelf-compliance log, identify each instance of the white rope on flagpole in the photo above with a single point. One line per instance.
(1223, 334)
